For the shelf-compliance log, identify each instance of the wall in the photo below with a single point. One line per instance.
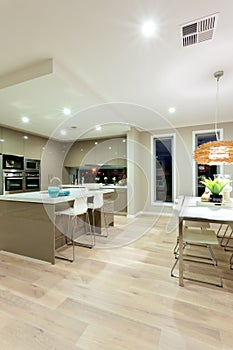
(136, 176)
(141, 154)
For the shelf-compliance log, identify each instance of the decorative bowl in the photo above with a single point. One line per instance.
(53, 191)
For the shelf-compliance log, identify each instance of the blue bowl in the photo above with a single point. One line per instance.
(53, 191)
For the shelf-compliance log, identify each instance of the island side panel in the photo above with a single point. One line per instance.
(26, 229)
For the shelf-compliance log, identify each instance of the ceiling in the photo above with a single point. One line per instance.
(91, 57)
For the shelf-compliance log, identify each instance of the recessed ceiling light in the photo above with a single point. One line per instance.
(25, 119)
(148, 28)
(63, 132)
(171, 110)
(96, 142)
(2, 140)
(66, 111)
(25, 137)
(98, 127)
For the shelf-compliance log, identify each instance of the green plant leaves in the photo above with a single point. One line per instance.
(215, 186)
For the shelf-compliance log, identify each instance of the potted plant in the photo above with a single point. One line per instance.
(215, 186)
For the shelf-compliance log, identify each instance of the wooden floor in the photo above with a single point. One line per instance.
(114, 298)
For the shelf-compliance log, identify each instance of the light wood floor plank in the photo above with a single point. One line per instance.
(115, 297)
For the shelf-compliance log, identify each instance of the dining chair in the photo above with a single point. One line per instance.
(227, 237)
(199, 238)
(193, 224)
(231, 262)
(94, 204)
(195, 234)
(78, 214)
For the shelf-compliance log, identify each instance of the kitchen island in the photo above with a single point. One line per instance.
(118, 195)
(28, 222)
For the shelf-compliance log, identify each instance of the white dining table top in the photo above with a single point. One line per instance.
(193, 209)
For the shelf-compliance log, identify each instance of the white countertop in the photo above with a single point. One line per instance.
(43, 196)
(101, 187)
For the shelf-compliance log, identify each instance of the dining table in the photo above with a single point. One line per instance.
(193, 209)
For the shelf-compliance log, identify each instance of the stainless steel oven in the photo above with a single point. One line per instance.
(32, 181)
(13, 181)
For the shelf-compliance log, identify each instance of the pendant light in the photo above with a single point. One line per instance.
(215, 152)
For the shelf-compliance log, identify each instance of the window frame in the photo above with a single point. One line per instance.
(195, 134)
(172, 137)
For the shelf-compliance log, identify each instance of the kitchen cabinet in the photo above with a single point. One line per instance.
(106, 151)
(13, 142)
(104, 217)
(33, 147)
(81, 153)
(119, 198)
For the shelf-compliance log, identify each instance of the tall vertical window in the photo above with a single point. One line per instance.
(202, 170)
(163, 168)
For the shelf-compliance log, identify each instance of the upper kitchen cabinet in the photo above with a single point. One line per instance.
(12, 142)
(33, 146)
(111, 152)
(81, 153)
(104, 151)
(19, 143)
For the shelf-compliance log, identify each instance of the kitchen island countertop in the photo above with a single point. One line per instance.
(43, 196)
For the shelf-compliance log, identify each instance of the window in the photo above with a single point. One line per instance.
(163, 168)
(200, 170)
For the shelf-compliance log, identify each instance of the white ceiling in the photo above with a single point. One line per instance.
(90, 56)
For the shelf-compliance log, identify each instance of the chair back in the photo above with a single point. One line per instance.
(80, 205)
(96, 201)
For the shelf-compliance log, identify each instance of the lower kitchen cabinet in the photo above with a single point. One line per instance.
(119, 198)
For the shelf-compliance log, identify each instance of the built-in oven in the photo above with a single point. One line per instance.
(32, 181)
(31, 164)
(13, 181)
(12, 162)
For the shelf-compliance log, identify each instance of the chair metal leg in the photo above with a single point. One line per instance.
(231, 262)
(227, 247)
(213, 258)
(194, 257)
(87, 245)
(220, 284)
(223, 236)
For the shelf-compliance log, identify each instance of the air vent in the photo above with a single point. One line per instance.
(198, 31)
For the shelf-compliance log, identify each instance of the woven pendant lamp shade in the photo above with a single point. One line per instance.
(214, 153)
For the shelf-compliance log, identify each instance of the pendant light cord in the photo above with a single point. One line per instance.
(217, 75)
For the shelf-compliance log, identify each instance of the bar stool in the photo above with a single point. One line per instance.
(72, 214)
(97, 203)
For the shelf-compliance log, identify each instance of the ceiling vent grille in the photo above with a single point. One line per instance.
(198, 31)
